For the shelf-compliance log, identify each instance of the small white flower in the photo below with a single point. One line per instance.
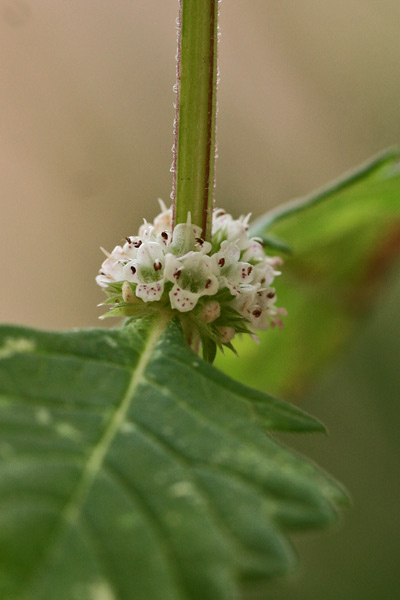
(233, 273)
(146, 231)
(131, 247)
(232, 230)
(257, 305)
(254, 252)
(147, 271)
(244, 300)
(263, 273)
(186, 238)
(112, 267)
(193, 277)
(164, 238)
(163, 221)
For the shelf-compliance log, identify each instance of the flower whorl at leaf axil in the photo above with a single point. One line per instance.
(222, 287)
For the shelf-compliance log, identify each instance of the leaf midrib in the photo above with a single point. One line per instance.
(73, 507)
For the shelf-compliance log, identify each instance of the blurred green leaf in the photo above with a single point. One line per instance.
(131, 468)
(343, 239)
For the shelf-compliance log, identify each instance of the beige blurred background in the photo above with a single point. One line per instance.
(308, 89)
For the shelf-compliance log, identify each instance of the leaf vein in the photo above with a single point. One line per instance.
(150, 516)
(95, 461)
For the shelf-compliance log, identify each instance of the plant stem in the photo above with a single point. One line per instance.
(194, 147)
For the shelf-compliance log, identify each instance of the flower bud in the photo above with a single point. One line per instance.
(227, 334)
(210, 311)
(128, 295)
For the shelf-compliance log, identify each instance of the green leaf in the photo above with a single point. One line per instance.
(130, 468)
(344, 239)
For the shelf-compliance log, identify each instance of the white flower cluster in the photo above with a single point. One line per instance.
(180, 271)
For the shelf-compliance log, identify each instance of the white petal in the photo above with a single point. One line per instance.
(182, 300)
(172, 268)
(184, 237)
(163, 221)
(130, 271)
(103, 281)
(150, 292)
(211, 286)
(130, 249)
(149, 252)
(254, 252)
(146, 231)
(202, 246)
(118, 254)
(113, 269)
(264, 273)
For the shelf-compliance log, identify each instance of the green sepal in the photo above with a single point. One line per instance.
(209, 348)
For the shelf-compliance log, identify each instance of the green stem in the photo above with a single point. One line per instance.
(194, 148)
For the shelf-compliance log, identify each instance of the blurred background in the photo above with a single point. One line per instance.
(308, 90)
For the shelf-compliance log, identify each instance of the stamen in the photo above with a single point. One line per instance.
(208, 283)
(221, 262)
(133, 269)
(157, 265)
